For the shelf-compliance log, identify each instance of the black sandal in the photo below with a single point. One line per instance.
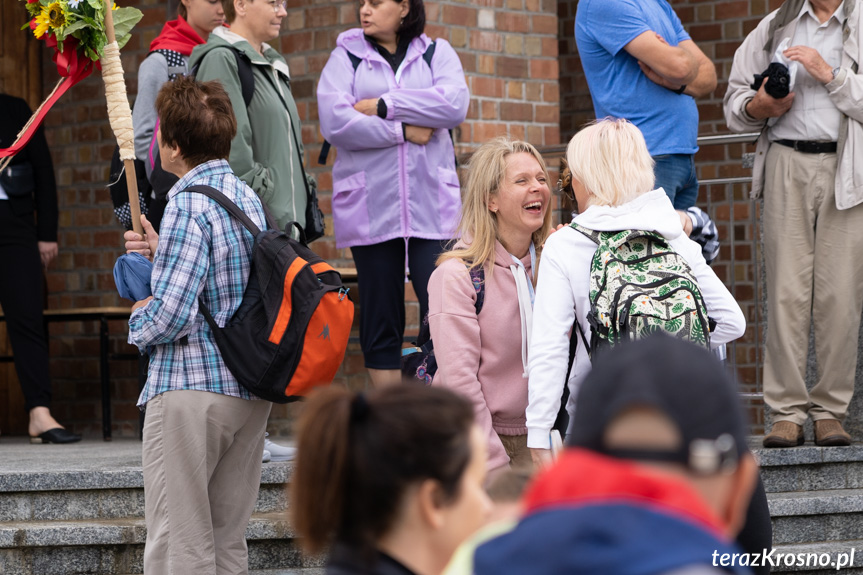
(56, 435)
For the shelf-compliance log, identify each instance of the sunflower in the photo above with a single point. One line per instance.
(42, 24)
(56, 15)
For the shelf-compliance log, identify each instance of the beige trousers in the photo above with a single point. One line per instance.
(516, 448)
(814, 264)
(202, 469)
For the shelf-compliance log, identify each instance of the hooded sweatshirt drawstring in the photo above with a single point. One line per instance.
(526, 295)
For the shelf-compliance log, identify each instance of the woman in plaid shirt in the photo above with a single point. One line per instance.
(203, 432)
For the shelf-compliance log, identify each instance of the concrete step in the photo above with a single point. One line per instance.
(816, 516)
(129, 477)
(821, 502)
(815, 494)
(116, 546)
(811, 468)
(78, 509)
(74, 505)
(107, 494)
(52, 533)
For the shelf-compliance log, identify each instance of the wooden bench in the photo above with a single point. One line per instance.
(103, 315)
(349, 275)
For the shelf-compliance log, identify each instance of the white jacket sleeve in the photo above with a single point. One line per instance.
(721, 305)
(553, 317)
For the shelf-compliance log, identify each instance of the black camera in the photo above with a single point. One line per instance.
(776, 80)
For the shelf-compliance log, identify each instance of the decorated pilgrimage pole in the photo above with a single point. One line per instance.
(120, 114)
(85, 34)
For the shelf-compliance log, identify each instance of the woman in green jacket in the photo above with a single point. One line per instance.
(267, 151)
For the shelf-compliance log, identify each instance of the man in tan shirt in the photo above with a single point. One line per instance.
(813, 221)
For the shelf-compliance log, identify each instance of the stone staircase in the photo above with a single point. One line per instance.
(815, 496)
(84, 514)
(68, 510)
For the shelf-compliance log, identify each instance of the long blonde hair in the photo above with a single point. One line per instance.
(478, 224)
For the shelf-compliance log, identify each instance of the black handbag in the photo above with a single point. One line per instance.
(314, 216)
(314, 227)
(18, 181)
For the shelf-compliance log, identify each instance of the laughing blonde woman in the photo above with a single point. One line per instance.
(483, 354)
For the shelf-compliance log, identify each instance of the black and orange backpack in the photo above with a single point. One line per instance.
(290, 333)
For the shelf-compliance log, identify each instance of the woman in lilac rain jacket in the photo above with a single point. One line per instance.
(387, 99)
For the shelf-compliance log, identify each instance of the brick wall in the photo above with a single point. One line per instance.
(508, 49)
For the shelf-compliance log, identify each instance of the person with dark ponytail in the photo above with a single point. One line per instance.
(389, 482)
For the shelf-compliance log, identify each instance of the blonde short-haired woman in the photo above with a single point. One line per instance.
(505, 219)
(612, 180)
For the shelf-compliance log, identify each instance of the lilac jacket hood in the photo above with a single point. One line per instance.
(383, 186)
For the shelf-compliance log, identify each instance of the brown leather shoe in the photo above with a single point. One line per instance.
(784, 434)
(829, 432)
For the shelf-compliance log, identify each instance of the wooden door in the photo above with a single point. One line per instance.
(20, 75)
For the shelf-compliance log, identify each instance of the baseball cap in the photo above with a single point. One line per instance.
(685, 382)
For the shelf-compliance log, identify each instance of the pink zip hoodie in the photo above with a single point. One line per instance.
(479, 356)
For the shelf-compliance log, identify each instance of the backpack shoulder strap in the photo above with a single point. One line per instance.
(429, 54)
(592, 235)
(355, 60)
(176, 62)
(477, 277)
(247, 78)
(325, 147)
(427, 57)
(244, 71)
(230, 206)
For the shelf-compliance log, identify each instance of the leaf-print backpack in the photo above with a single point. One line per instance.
(639, 286)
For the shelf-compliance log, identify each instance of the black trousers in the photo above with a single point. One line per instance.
(381, 273)
(21, 298)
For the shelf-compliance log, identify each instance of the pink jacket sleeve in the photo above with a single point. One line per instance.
(343, 126)
(457, 345)
(444, 105)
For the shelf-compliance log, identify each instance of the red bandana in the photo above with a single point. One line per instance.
(177, 35)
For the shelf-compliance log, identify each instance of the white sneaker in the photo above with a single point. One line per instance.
(267, 456)
(278, 452)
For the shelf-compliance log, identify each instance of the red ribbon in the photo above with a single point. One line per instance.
(72, 68)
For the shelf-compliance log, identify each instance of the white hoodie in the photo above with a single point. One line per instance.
(563, 290)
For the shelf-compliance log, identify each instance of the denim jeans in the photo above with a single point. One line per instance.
(675, 173)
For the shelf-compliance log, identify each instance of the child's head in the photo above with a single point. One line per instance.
(505, 492)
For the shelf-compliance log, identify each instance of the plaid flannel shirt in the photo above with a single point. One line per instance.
(203, 253)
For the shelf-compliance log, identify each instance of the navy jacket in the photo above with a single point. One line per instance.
(592, 514)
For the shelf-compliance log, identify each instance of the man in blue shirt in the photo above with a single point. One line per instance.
(641, 65)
